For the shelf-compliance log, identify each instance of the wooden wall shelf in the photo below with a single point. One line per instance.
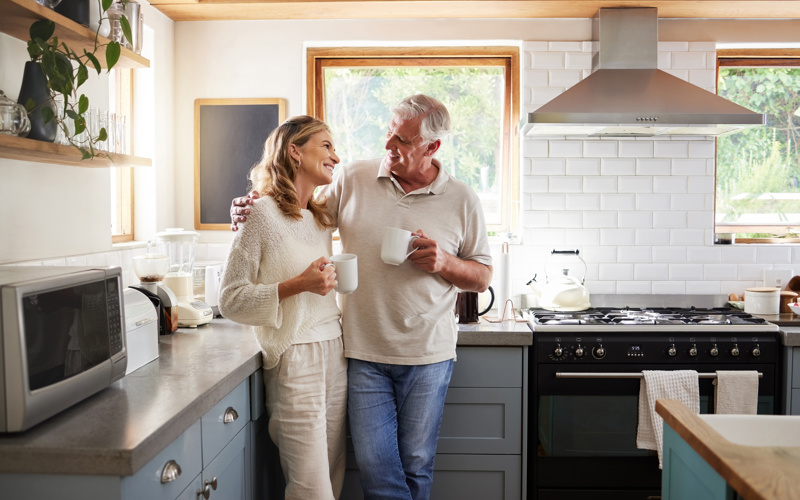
(20, 148)
(16, 17)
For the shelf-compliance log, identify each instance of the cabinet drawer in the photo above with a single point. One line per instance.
(482, 421)
(235, 407)
(146, 483)
(487, 367)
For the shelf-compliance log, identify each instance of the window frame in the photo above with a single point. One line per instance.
(754, 58)
(123, 103)
(319, 58)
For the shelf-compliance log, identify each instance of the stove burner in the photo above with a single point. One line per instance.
(646, 316)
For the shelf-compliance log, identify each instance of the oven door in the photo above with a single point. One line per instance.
(584, 425)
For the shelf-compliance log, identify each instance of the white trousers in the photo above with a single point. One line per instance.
(306, 394)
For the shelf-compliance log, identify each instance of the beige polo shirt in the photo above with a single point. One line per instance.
(401, 314)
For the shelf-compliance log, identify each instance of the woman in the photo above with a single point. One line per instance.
(276, 279)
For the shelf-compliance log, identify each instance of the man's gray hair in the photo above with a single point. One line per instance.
(435, 123)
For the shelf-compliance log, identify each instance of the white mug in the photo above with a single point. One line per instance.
(394, 249)
(346, 266)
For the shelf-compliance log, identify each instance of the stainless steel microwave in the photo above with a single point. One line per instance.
(62, 339)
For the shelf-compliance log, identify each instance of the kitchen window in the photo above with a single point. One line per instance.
(354, 90)
(121, 93)
(758, 170)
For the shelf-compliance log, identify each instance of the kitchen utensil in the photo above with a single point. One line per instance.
(394, 248)
(787, 297)
(150, 268)
(467, 306)
(562, 292)
(761, 300)
(180, 247)
(13, 117)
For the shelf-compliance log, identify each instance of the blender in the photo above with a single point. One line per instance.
(179, 246)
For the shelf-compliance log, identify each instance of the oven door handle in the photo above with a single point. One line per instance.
(622, 375)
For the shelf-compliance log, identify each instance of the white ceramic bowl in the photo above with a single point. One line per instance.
(795, 307)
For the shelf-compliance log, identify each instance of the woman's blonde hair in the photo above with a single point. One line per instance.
(275, 172)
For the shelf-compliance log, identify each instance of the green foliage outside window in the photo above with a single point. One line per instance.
(758, 170)
(358, 104)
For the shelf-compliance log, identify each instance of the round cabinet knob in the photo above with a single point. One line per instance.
(756, 351)
(714, 351)
(735, 350)
(579, 352)
(558, 352)
(672, 351)
(599, 352)
(693, 350)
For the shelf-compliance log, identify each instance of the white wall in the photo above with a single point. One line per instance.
(55, 211)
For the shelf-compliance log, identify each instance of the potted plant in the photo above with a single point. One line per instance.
(64, 70)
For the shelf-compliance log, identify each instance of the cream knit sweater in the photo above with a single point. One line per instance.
(269, 249)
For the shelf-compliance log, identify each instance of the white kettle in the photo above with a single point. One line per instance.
(562, 292)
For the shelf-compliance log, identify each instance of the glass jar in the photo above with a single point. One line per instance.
(13, 117)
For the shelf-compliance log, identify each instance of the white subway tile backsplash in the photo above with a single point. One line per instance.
(689, 60)
(703, 287)
(536, 148)
(618, 166)
(634, 287)
(536, 77)
(618, 237)
(565, 46)
(669, 254)
(635, 184)
(719, 272)
(636, 220)
(566, 218)
(578, 60)
(704, 78)
(689, 166)
(751, 272)
(688, 202)
(547, 60)
(548, 166)
(599, 254)
(739, 253)
(652, 237)
(617, 202)
(600, 219)
(543, 95)
(652, 201)
(703, 184)
(566, 149)
(653, 166)
(620, 271)
(702, 149)
(705, 254)
(566, 184)
(635, 254)
(778, 254)
(583, 166)
(683, 74)
(685, 272)
(602, 287)
(531, 46)
(671, 149)
(651, 272)
(564, 77)
(670, 220)
(700, 220)
(688, 237)
(635, 149)
(548, 201)
(664, 60)
(535, 219)
(582, 202)
(673, 46)
(600, 149)
(581, 237)
(599, 184)
(669, 287)
(670, 184)
(535, 183)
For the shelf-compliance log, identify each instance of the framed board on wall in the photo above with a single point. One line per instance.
(229, 136)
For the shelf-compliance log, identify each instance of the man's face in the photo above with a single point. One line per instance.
(405, 149)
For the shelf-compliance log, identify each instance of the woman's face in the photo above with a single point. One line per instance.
(317, 158)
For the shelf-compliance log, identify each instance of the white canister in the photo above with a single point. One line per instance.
(762, 300)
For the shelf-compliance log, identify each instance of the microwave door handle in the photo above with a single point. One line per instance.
(610, 375)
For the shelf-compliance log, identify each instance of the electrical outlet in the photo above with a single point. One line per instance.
(777, 277)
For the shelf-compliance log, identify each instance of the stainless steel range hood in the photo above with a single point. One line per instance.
(627, 95)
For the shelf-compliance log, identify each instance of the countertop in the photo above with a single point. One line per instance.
(755, 472)
(121, 428)
(789, 324)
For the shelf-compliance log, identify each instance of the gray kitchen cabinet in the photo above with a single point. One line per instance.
(481, 450)
(791, 368)
(216, 446)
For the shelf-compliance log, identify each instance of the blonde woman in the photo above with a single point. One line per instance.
(276, 280)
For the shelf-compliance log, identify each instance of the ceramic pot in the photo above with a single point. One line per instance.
(34, 86)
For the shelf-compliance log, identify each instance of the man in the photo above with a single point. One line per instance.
(399, 330)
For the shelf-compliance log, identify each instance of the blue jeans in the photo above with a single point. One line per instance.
(395, 412)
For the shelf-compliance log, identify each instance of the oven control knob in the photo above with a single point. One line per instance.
(756, 351)
(672, 351)
(735, 350)
(599, 352)
(714, 351)
(693, 350)
(558, 352)
(579, 352)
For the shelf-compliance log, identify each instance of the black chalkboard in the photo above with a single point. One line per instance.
(229, 137)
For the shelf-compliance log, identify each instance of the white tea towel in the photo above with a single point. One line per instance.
(681, 385)
(736, 392)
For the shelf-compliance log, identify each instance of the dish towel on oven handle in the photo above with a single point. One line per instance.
(681, 385)
(736, 392)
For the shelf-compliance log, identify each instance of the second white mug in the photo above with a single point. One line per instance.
(395, 247)
(346, 265)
